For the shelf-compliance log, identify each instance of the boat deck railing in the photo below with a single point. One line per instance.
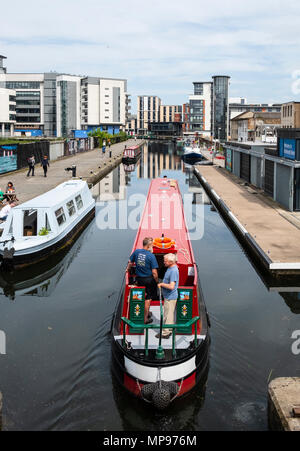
(159, 352)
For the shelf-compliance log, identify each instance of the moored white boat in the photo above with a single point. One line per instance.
(192, 152)
(43, 225)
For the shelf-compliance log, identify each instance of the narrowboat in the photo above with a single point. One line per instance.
(44, 225)
(154, 369)
(131, 154)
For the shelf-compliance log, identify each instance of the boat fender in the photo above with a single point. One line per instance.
(160, 394)
(161, 398)
(8, 254)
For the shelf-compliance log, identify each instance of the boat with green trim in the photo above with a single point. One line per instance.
(156, 370)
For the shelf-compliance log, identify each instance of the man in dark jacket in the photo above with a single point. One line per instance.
(45, 164)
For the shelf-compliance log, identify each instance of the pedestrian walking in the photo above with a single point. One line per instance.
(31, 164)
(45, 164)
(109, 143)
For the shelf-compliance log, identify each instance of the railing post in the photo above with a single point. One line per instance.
(160, 353)
(124, 333)
(173, 342)
(146, 343)
(196, 324)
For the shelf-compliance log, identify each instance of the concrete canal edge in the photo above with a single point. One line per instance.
(112, 164)
(98, 176)
(284, 397)
(243, 235)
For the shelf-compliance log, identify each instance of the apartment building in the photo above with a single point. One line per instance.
(200, 109)
(104, 104)
(207, 112)
(55, 104)
(170, 113)
(290, 115)
(7, 112)
(148, 108)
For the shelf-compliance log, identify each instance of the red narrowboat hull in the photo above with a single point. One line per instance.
(136, 363)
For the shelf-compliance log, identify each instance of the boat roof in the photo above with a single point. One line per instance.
(164, 214)
(55, 196)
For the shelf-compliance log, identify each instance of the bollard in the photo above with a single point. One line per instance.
(73, 167)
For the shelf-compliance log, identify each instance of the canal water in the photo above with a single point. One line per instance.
(56, 372)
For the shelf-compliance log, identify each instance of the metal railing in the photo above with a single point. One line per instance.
(159, 353)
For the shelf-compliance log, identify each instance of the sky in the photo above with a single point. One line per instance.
(160, 46)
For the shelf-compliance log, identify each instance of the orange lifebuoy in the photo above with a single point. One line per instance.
(163, 243)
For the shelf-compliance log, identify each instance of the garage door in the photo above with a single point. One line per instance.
(269, 177)
(245, 167)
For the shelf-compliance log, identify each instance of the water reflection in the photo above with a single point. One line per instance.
(69, 363)
(199, 194)
(41, 280)
(179, 417)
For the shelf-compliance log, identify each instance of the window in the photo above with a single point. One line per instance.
(30, 223)
(79, 202)
(60, 216)
(71, 208)
(23, 84)
(47, 223)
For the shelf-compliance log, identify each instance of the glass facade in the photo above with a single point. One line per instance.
(27, 105)
(221, 88)
(197, 115)
(23, 85)
(64, 107)
(198, 89)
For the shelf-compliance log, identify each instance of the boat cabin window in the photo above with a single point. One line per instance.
(60, 216)
(47, 223)
(79, 202)
(30, 223)
(71, 208)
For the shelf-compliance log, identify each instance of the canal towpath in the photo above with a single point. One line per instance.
(274, 232)
(91, 166)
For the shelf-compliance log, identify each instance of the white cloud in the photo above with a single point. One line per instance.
(159, 46)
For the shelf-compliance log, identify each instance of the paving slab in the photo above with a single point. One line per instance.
(88, 164)
(284, 396)
(270, 225)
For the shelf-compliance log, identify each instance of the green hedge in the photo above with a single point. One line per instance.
(119, 137)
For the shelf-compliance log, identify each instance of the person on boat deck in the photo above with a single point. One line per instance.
(5, 210)
(146, 273)
(169, 287)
